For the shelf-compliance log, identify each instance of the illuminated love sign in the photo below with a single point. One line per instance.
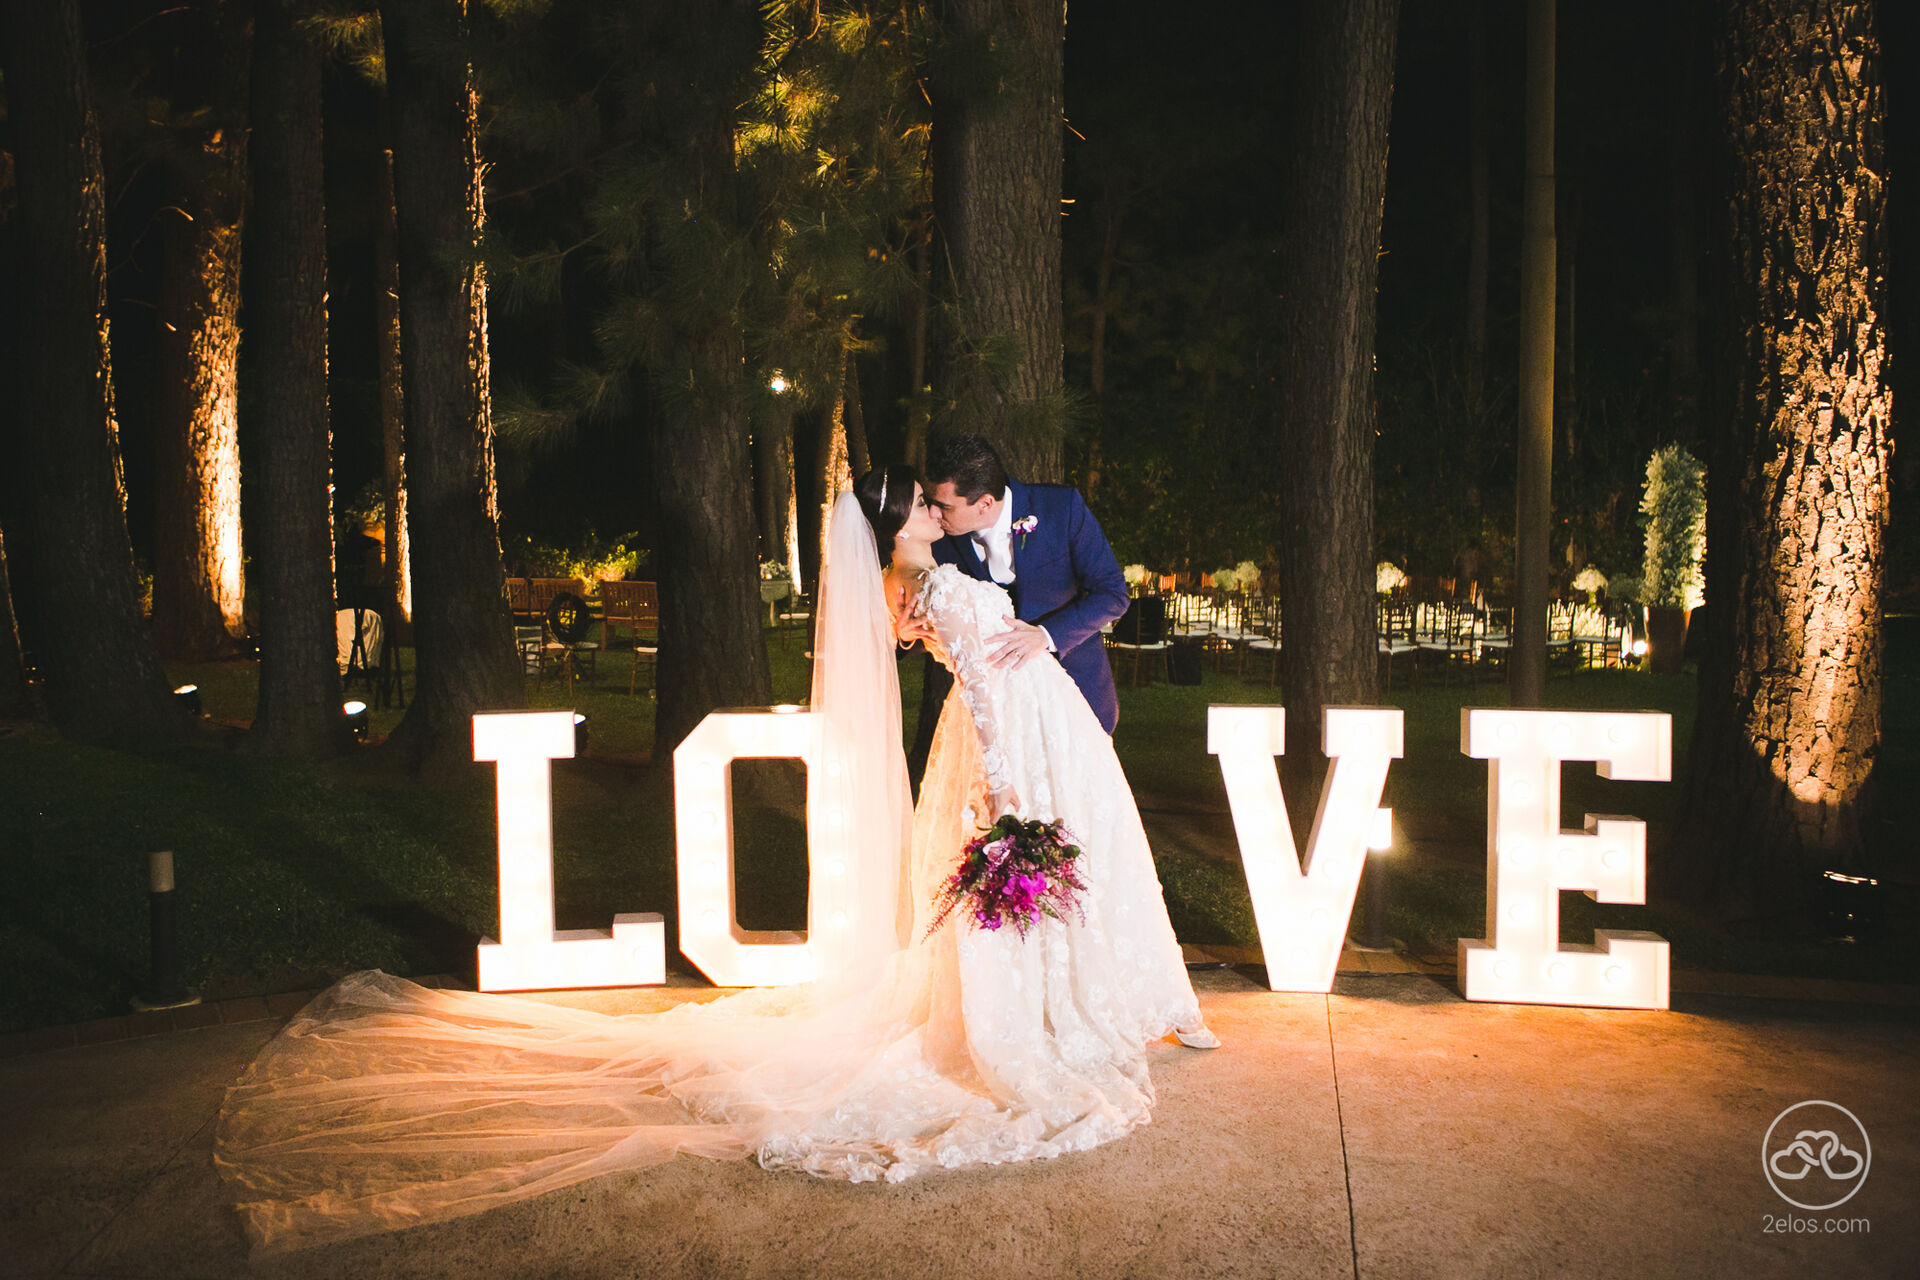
(703, 822)
(1302, 913)
(1530, 860)
(531, 954)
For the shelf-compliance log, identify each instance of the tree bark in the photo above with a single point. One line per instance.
(1781, 773)
(393, 441)
(712, 651)
(1566, 238)
(1479, 217)
(1533, 480)
(15, 701)
(777, 488)
(1336, 182)
(299, 700)
(997, 148)
(198, 587)
(462, 630)
(859, 459)
(831, 473)
(73, 569)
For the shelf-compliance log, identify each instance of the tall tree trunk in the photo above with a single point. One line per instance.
(1336, 183)
(198, 588)
(1479, 217)
(859, 458)
(1781, 772)
(299, 700)
(79, 599)
(712, 651)
(997, 147)
(831, 473)
(463, 635)
(777, 488)
(919, 403)
(1566, 239)
(1533, 481)
(393, 441)
(1114, 211)
(14, 698)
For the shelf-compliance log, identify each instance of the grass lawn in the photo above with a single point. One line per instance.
(290, 874)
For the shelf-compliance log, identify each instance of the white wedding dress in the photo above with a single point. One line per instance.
(384, 1104)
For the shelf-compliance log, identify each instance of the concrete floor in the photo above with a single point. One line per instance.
(1389, 1129)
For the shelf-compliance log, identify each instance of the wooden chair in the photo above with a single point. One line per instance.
(634, 605)
(1141, 630)
(1394, 630)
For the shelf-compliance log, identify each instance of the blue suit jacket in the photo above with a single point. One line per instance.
(1065, 578)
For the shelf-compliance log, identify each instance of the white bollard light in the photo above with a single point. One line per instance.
(1530, 860)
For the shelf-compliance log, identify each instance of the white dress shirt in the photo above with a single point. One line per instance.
(995, 542)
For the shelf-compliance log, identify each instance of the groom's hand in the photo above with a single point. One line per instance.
(1021, 641)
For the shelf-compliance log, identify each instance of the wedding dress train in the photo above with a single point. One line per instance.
(384, 1104)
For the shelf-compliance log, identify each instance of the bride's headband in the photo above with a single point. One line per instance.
(883, 492)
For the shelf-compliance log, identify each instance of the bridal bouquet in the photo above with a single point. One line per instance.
(1014, 873)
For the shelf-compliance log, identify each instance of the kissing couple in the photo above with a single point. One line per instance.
(385, 1105)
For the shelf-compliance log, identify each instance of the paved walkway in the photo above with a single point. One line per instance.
(1389, 1129)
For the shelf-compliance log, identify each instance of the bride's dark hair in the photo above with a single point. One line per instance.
(895, 486)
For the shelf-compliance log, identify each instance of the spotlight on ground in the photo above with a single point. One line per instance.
(187, 697)
(356, 712)
(579, 733)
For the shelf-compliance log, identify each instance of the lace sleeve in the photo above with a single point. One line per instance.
(966, 615)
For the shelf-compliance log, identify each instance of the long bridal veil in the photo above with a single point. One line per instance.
(385, 1105)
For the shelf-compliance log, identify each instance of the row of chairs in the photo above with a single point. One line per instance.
(555, 619)
(1456, 636)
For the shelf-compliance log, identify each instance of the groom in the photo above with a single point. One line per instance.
(1042, 544)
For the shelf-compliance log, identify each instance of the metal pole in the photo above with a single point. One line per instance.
(1534, 482)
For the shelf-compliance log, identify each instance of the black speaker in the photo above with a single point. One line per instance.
(1183, 664)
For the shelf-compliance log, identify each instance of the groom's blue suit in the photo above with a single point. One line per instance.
(1065, 578)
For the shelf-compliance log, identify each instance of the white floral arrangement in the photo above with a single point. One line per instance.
(1247, 574)
(1135, 574)
(1590, 580)
(1226, 579)
(1388, 577)
(774, 571)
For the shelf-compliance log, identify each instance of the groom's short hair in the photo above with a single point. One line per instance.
(970, 463)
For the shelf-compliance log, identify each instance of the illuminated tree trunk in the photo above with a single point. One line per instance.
(1337, 169)
(777, 488)
(72, 563)
(1788, 735)
(997, 131)
(198, 588)
(462, 631)
(393, 445)
(859, 460)
(831, 472)
(299, 700)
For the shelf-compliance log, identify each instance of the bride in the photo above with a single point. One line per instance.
(385, 1105)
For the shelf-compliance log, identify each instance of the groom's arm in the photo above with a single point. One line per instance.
(1103, 587)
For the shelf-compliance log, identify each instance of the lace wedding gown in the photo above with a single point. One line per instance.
(386, 1105)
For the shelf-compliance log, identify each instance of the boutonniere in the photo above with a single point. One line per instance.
(1024, 526)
